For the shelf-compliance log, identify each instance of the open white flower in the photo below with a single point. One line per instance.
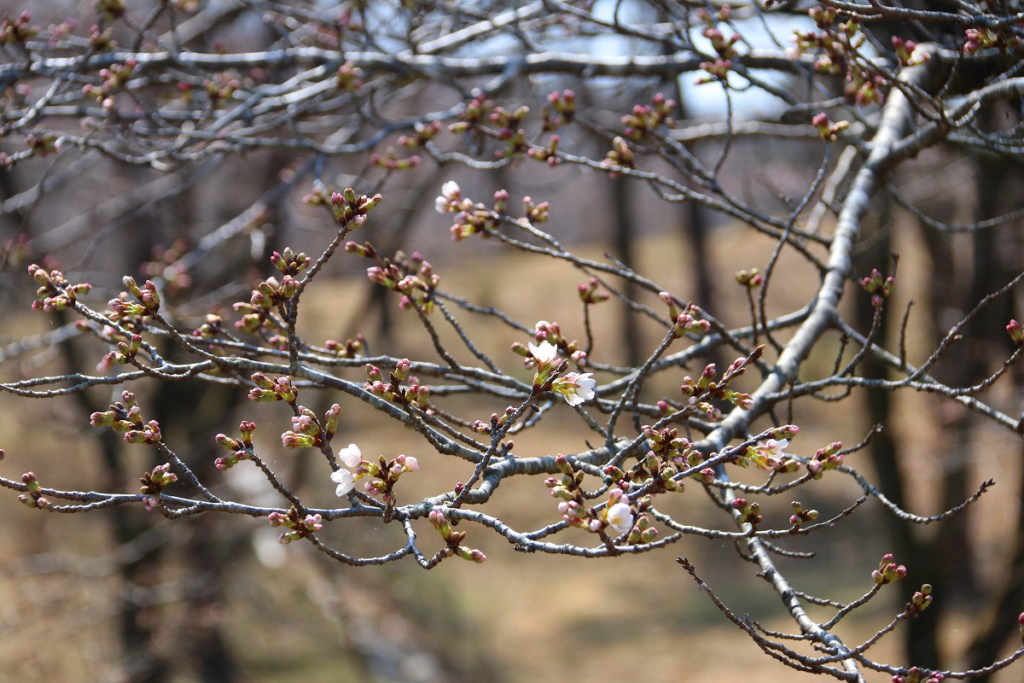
(345, 481)
(544, 353)
(773, 447)
(351, 456)
(576, 388)
(620, 518)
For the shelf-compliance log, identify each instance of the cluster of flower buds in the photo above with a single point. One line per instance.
(562, 110)
(125, 417)
(393, 391)
(423, 133)
(454, 538)
(349, 77)
(981, 38)
(17, 31)
(826, 129)
(642, 530)
(147, 296)
(220, 89)
(800, 515)
(33, 496)
(864, 88)
(348, 349)
(905, 52)
(699, 392)
(308, 431)
(473, 115)
(769, 455)
(126, 352)
(508, 130)
(620, 156)
(299, 526)
(567, 485)
(547, 154)
(212, 327)
(919, 601)
(240, 449)
(825, 459)
(154, 482)
(271, 293)
(536, 213)
(290, 263)
(749, 513)
(391, 162)
(102, 41)
(658, 469)
(589, 294)
(382, 475)
(725, 49)
(257, 317)
(280, 389)
(646, 118)
(55, 293)
(413, 278)
(115, 77)
(751, 279)
(877, 287)
(350, 210)
(836, 46)
(888, 571)
(686, 321)
(916, 675)
(718, 71)
(616, 514)
(1015, 331)
(497, 422)
(670, 449)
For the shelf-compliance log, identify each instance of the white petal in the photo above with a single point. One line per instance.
(545, 352)
(573, 399)
(450, 190)
(346, 482)
(441, 205)
(351, 456)
(620, 518)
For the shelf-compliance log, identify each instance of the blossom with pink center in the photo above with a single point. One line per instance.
(773, 447)
(620, 518)
(575, 387)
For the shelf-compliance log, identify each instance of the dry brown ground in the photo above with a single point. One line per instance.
(534, 618)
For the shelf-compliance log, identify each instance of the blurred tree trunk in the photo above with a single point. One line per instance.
(623, 236)
(921, 644)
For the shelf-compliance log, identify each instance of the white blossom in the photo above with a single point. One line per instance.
(773, 447)
(620, 518)
(544, 353)
(576, 388)
(345, 481)
(450, 194)
(351, 456)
